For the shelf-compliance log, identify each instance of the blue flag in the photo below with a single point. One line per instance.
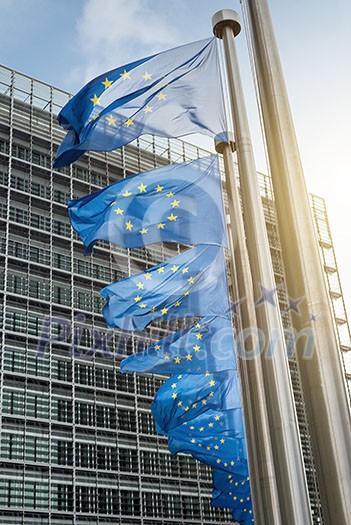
(240, 504)
(170, 94)
(185, 396)
(208, 345)
(193, 283)
(180, 203)
(230, 483)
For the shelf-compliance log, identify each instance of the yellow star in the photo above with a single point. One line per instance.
(207, 374)
(119, 211)
(175, 204)
(189, 357)
(204, 401)
(143, 231)
(161, 269)
(125, 75)
(174, 385)
(172, 217)
(147, 109)
(164, 311)
(170, 194)
(211, 394)
(158, 347)
(111, 120)
(95, 99)
(166, 356)
(126, 193)
(178, 303)
(199, 445)
(179, 377)
(225, 464)
(129, 226)
(142, 305)
(218, 461)
(212, 382)
(198, 336)
(198, 325)
(174, 268)
(161, 225)
(106, 83)
(217, 418)
(96, 116)
(191, 280)
(208, 448)
(185, 270)
(196, 348)
(192, 427)
(187, 293)
(142, 188)
(129, 122)
(174, 395)
(140, 286)
(216, 447)
(147, 276)
(194, 406)
(186, 409)
(147, 76)
(180, 403)
(177, 360)
(210, 425)
(159, 188)
(222, 441)
(202, 429)
(137, 298)
(193, 440)
(161, 96)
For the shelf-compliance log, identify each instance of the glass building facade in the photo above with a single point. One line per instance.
(77, 440)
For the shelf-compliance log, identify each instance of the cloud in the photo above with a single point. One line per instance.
(111, 33)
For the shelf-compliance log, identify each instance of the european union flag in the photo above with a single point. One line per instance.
(207, 345)
(170, 94)
(180, 203)
(193, 283)
(241, 506)
(221, 451)
(185, 396)
(227, 483)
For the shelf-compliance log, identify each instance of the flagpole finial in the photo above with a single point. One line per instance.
(221, 144)
(225, 18)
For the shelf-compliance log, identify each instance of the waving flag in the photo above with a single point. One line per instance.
(240, 504)
(231, 483)
(208, 345)
(180, 203)
(193, 283)
(170, 94)
(185, 396)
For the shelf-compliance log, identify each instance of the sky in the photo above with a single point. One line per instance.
(68, 42)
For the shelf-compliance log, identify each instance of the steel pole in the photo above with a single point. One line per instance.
(260, 456)
(322, 375)
(288, 462)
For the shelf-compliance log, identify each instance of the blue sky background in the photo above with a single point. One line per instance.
(67, 42)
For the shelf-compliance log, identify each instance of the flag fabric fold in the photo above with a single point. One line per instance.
(176, 203)
(207, 345)
(185, 396)
(193, 283)
(170, 94)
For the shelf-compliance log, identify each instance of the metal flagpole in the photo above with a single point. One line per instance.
(262, 476)
(288, 462)
(322, 376)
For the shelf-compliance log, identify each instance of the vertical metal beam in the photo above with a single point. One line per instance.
(288, 462)
(260, 456)
(322, 376)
